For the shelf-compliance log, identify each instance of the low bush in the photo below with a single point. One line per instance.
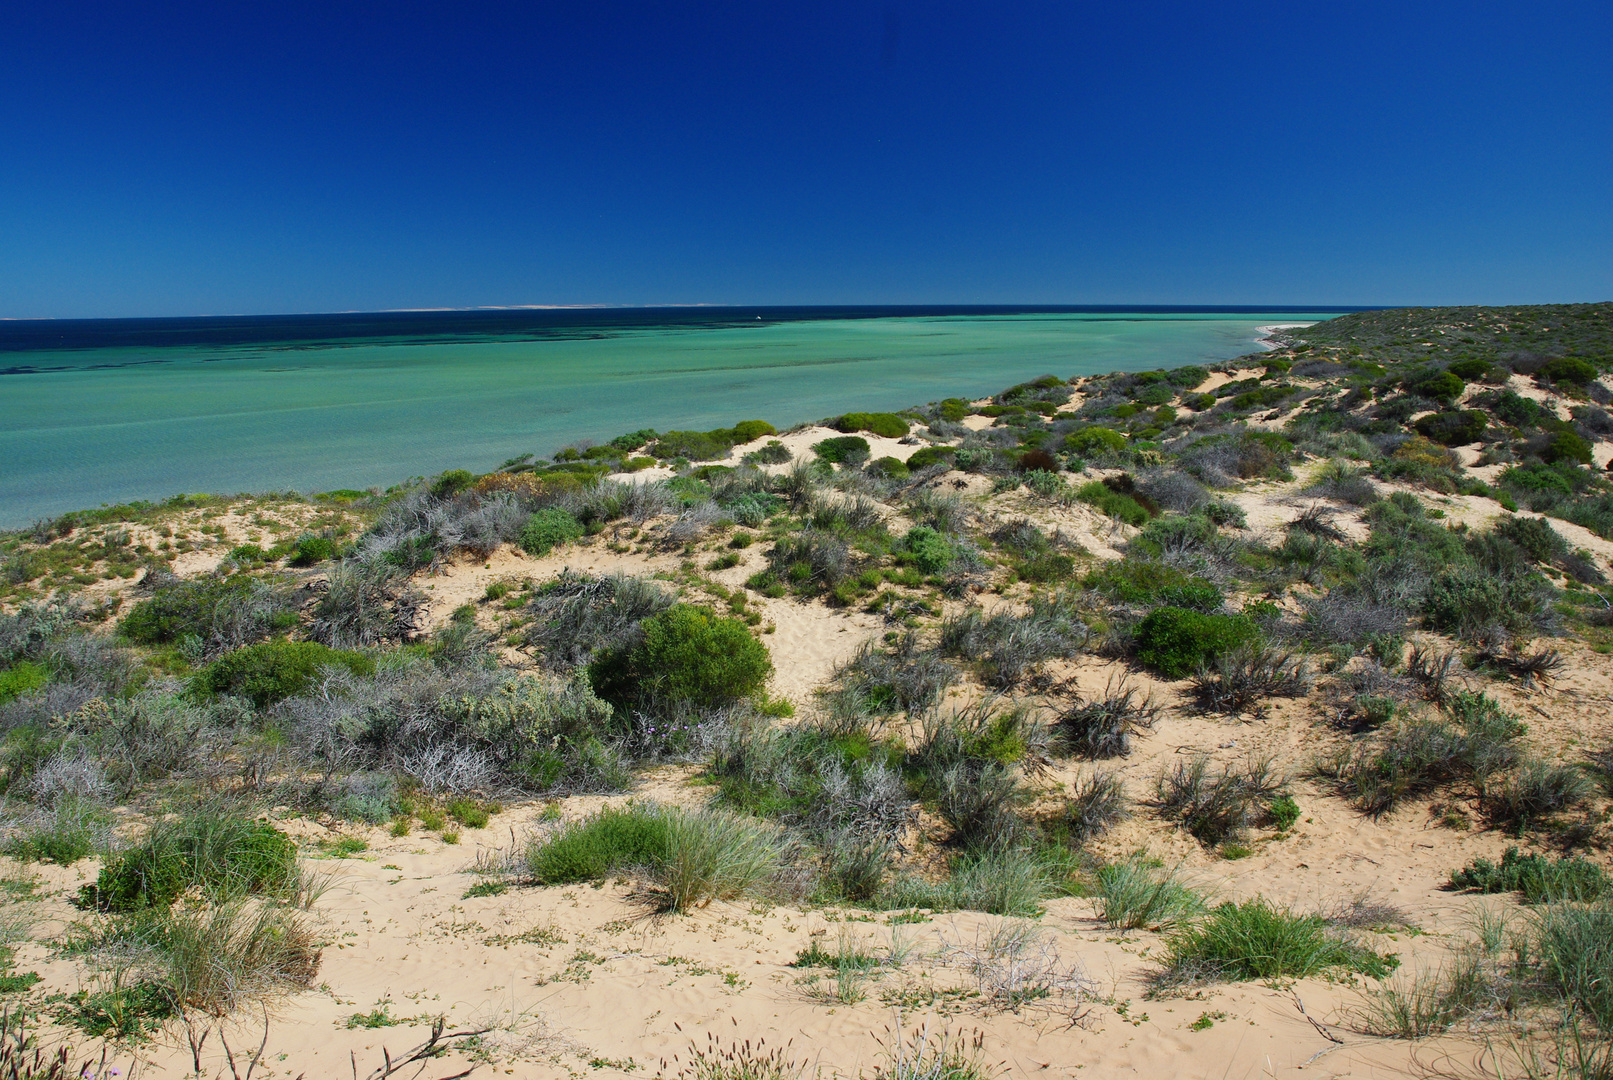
(772, 453)
(366, 604)
(1454, 427)
(1217, 807)
(1533, 792)
(1472, 603)
(925, 457)
(1124, 508)
(843, 450)
(1095, 441)
(576, 616)
(885, 425)
(1134, 895)
(20, 678)
(685, 656)
(1538, 877)
(313, 550)
(1570, 369)
(548, 529)
(222, 613)
(1248, 674)
(890, 468)
(1102, 727)
(1004, 646)
(1478, 741)
(926, 549)
(275, 670)
(1177, 642)
(1097, 804)
(225, 853)
(1256, 940)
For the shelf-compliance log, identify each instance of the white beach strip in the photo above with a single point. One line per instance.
(1263, 333)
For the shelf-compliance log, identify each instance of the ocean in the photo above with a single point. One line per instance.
(107, 411)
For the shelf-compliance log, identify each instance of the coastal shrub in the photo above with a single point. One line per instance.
(1121, 507)
(1103, 726)
(1478, 740)
(693, 445)
(222, 613)
(843, 450)
(365, 604)
(1004, 646)
(889, 467)
(926, 456)
(1569, 369)
(576, 616)
(773, 453)
(275, 670)
(1470, 369)
(1248, 674)
(313, 550)
(1471, 603)
(223, 851)
(686, 656)
(1534, 791)
(927, 549)
(547, 529)
(1438, 385)
(1095, 441)
(1256, 940)
(810, 560)
(1453, 428)
(1566, 446)
(885, 425)
(1177, 642)
(1539, 878)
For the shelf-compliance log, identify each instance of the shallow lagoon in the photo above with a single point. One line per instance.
(135, 409)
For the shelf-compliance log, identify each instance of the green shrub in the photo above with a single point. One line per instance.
(953, 409)
(452, 483)
(843, 450)
(226, 854)
(1255, 940)
(634, 440)
(231, 611)
(1470, 369)
(20, 678)
(714, 855)
(1119, 506)
(1454, 427)
(1469, 602)
(68, 834)
(1177, 642)
(927, 549)
(275, 670)
(1566, 446)
(685, 656)
(924, 457)
(312, 550)
(886, 425)
(547, 529)
(1094, 441)
(1538, 877)
(1570, 369)
(750, 430)
(1440, 385)
(774, 453)
(890, 467)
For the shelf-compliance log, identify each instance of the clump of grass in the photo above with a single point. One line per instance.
(1257, 940)
(1103, 726)
(1097, 805)
(737, 1061)
(224, 852)
(1538, 877)
(1217, 807)
(1429, 1002)
(689, 858)
(1005, 646)
(1133, 894)
(1478, 741)
(1247, 675)
(1534, 791)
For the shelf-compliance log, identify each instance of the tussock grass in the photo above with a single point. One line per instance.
(1215, 807)
(1133, 894)
(1257, 940)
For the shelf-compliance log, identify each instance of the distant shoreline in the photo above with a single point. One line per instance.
(1263, 334)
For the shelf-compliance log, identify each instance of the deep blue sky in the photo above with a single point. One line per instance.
(164, 159)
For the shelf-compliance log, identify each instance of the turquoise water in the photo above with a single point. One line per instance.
(137, 414)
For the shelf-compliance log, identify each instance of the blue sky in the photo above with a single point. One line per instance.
(221, 158)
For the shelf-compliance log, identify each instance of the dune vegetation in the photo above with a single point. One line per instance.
(1141, 700)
